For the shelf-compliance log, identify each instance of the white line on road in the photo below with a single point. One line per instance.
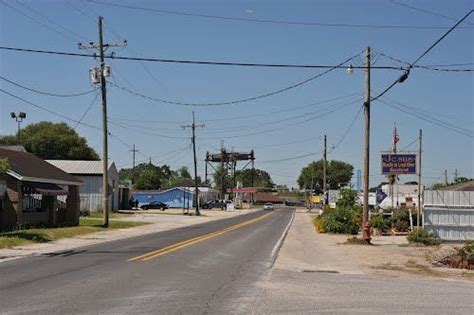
(282, 237)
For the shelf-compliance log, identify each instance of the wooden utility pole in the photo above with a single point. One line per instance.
(134, 150)
(420, 145)
(446, 177)
(365, 214)
(223, 173)
(324, 171)
(105, 148)
(456, 173)
(103, 72)
(193, 127)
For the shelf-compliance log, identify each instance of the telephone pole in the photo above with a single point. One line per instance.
(446, 178)
(420, 145)
(193, 127)
(324, 172)
(365, 215)
(98, 76)
(456, 173)
(134, 151)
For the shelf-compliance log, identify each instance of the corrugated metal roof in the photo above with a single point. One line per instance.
(79, 167)
(28, 167)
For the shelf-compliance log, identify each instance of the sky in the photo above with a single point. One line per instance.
(286, 129)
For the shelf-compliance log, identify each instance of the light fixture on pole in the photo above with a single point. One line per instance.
(18, 118)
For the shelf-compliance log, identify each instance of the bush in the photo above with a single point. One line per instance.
(347, 198)
(377, 222)
(423, 237)
(340, 220)
(401, 220)
(318, 224)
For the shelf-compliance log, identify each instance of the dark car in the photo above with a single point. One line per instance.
(213, 204)
(154, 205)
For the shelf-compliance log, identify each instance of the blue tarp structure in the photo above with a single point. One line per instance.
(174, 197)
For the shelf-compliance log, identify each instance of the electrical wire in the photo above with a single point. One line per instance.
(47, 93)
(249, 99)
(430, 120)
(426, 67)
(62, 116)
(267, 21)
(290, 158)
(410, 144)
(405, 75)
(52, 21)
(87, 110)
(36, 21)
(195, 62)
(347, 130)
(426, 11)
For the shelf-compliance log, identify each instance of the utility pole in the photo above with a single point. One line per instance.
(456, 173)
(324, 171)
(134, 150)
(99, 76)
(446, 178)
(365, 215)
(420, 145)
(193, 140)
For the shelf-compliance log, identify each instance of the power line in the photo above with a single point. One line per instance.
(46, 93)
(52, 21)
(429, 119)
(61, 115)
(290, 158)
(87, 110)
(347, 130)
(198, 62)
(429, 67)
(253, 98)
(426, 11)
(267, 21)
(35, 20)
(403, 77)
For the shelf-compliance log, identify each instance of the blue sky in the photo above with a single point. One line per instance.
(447, 96)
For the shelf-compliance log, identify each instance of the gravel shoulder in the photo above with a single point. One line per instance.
(308, 251)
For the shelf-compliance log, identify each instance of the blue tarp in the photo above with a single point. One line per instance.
(173, 197)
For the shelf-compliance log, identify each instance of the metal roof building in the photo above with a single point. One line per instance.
(90, 172)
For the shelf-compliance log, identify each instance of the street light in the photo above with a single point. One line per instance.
(19, 118)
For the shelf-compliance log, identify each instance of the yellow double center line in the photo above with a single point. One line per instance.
(192, 241)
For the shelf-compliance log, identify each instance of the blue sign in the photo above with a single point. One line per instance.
(398, 164)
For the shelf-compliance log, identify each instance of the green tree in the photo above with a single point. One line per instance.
(4, 167)
(339, 174)
(148, 180)
(53, 141)
(261, 178)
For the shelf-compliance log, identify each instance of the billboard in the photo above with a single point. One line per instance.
(398, 164)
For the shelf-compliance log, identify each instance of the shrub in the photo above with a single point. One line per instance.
(378, 222)
(423, 237)
(318, 224)
(341, 220)
(347, 198)
(401, 220)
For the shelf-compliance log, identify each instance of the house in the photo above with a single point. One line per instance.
(90, 172)
(32, 191)
(177, 197)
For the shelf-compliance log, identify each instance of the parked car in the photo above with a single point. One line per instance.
(212, 204)
(268, 206)
(154, 205)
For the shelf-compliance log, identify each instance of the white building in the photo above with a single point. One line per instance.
(400, 195)
(90, 172)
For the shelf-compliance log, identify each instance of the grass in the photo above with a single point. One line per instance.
(112, 215)
(86, 226)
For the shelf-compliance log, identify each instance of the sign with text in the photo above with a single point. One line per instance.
(398, 164)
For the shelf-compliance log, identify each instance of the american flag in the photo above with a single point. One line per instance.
(395, 139)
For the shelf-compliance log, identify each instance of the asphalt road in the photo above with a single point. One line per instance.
(208, 268)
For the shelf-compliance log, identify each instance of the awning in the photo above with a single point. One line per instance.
(45, 189)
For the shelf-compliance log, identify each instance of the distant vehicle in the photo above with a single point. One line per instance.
(213, 204)
(268, 206)
(154, 205)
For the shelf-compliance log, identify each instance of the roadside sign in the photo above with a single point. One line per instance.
(398, 164)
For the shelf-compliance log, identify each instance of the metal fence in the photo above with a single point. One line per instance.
(449, 214)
